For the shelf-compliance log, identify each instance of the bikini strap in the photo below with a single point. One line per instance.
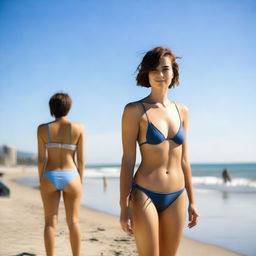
(48, 133)
(177, 111)
(145, 111)
(70, 135)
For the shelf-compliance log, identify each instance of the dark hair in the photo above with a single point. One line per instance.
(60, 104)
(151, 60)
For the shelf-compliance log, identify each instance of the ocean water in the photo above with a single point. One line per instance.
(227, 211)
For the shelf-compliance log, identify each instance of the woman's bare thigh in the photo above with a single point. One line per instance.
(72, 195)
(51, 198)
(144, 224)
(171, 225)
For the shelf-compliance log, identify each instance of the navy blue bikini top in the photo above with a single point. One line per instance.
(154, 136)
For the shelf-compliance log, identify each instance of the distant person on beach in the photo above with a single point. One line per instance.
(105, 183)
(153, 201)
(226, 175)
(57, 169)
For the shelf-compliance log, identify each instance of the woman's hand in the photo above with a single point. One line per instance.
(192, 215)
(126, 220)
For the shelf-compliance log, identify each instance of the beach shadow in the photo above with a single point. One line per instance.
(25, 254)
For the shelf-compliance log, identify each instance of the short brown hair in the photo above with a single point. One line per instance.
(151, 60)
(60, 104)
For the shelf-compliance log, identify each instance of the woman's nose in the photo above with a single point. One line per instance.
(160, 73)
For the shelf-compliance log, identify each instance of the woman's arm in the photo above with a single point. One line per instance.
(41, 152)
(80, 153)
(130, 129)
(193, 215)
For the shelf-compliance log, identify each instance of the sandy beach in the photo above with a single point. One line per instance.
(21, 221)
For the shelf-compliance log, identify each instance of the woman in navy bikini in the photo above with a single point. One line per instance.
(58, 172)
(153, 201)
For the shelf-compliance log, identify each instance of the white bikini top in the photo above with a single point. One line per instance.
(58, 145)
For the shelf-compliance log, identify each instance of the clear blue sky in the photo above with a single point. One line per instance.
(91, 49)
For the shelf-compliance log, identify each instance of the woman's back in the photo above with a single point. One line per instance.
(61, 138)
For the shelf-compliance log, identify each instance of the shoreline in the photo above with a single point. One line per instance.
(21, 219)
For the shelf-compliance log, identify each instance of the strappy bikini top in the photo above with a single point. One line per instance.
(154, 136)
(58, 145)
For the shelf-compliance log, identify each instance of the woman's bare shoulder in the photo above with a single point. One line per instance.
(41, 128)
(77, 126)
(183, 109)
(133, 108)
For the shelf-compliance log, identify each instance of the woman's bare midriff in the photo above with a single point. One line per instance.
(160, 169)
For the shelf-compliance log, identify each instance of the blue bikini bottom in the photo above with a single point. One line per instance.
(60, 178)
(159, 199)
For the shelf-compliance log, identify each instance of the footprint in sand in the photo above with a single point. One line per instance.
(93, 239)
(60, 233)
(122, 240)
(118, 253)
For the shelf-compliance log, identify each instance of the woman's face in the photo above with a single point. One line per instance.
(162, 75)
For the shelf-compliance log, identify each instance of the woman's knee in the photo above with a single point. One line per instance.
(51, 221)
(72, 223)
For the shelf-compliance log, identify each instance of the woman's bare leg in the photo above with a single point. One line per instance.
(144, 224)
(171, 225)
(51, 198)
(72, 195)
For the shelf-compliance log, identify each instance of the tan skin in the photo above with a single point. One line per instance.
(165, 167)
(61, 159)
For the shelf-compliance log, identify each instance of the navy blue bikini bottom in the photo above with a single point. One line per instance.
(159, 199)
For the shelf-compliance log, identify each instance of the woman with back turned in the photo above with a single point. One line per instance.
(153, 200)
(61, 139)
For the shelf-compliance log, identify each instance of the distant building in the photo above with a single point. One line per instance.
(9, 155)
